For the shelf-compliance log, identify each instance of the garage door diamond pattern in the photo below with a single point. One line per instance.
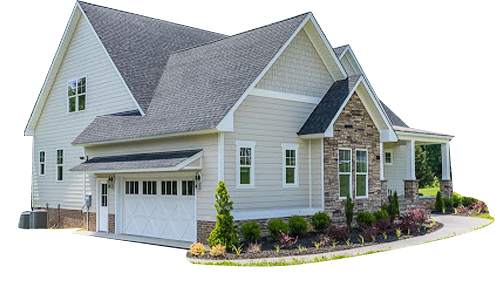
(159, 217)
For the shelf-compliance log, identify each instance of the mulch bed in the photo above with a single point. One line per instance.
(268, 247)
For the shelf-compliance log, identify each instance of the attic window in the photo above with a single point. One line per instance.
(76, 92)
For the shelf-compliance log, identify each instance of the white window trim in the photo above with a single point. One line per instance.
(59, 165)
(41, 163)
(391, 158)
(366, 174)
(77, 100)
(345, 173)
(290, 146)
(252, 145)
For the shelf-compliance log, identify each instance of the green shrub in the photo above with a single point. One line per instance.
(251, 232)
(320, 221)
(392, 207)
(381, 214)
(467, 201)
(349, 212)
(456, 200)
(297, 226)
(365, 219)
(439, 204)
(275, 226)
(449, 204)
(224, 233)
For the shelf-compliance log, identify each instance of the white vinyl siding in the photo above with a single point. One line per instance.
(266, 122)
(396, 174)
(85, 57)
(298, 70)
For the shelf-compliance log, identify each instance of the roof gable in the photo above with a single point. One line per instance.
(140, 46)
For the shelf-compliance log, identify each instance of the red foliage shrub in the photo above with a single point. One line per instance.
(383, 226)
(480, 207)
(286, 241)
(337, 233)
(414, 218)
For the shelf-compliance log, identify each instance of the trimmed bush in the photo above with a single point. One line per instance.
(381, 214)
(365, 219)
(224, 233)
(320, 221)
(297, 226)
(467, 201)
(456, 200)
(449, 204)
(439, 204)
(276, 226)
(251, 232)
(392, 207)
(349, 212)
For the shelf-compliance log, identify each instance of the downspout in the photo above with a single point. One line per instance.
(310, 176)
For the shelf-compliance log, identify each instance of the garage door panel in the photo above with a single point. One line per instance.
(158, 216)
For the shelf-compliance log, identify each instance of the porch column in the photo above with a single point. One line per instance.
(382, 176)
(118, 204)
(411, 185)
(446, 183)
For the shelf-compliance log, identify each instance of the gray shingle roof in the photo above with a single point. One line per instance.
(136, 161)
(325, 111)
(199, 85)
(340, 49)
(140, 46)
(394, 119)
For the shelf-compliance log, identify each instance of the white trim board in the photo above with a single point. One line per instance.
(262, 214)
(285, 96)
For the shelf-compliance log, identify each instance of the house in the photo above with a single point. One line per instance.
(147, 116)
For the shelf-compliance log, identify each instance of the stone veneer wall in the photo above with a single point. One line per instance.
(92, 222)
(411, 189)
(446, 188)
(353, 129)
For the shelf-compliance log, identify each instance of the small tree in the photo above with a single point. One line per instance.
(225, 232)
(349, 212)
(439, 203)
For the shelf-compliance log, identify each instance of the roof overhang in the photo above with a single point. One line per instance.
(140, 163)
(422, 136)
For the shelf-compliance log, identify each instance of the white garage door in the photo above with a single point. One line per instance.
(159, 209)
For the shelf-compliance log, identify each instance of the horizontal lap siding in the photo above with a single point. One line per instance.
(209, 144)
(56, 129)
(270, 122)
(396, 174)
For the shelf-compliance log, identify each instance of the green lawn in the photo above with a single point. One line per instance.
(429, 192)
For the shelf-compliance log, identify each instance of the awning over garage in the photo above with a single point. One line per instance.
(143, 162)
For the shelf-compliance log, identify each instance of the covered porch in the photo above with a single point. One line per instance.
(398, 162)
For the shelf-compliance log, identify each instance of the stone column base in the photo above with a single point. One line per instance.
(411, 189)
(446, 188)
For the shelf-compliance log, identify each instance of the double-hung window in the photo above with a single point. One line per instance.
(345, 182)
(76, 93)
(361, 173)
(290, 173)
(389, 158)
(42, 163)
(60, 165)
(245, 164)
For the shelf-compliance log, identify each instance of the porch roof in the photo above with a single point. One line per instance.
(410, 131)
(143, 162)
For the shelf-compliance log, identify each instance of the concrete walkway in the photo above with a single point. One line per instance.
(137, 239)
(453, 226)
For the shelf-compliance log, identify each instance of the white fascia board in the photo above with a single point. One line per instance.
(111, 61)
(423, 137)
(229, 125)
(50, 77)
(312, 136)
(328, 45)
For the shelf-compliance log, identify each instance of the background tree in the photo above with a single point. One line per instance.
(424, 172)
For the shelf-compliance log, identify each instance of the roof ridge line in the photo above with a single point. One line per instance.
(148, 17)
(237, 34)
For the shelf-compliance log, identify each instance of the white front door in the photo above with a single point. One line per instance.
(103, 207)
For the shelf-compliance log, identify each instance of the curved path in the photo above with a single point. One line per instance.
(453, 226)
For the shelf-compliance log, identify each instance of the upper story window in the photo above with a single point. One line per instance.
(60, 165)
(76, 92)
(245, 164)
(131, 187)
(42, 163)
(290, 171)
